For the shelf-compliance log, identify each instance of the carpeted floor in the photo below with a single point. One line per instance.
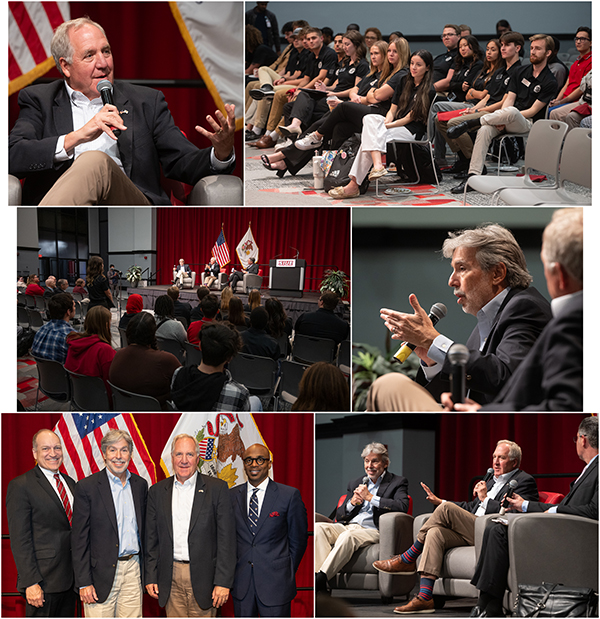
(263, 188)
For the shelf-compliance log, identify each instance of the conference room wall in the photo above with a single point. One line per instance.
(289, 438)
(28, 243)
(427, 19)
(396, 252)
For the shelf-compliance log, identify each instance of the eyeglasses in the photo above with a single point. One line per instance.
(260, 461)
(579, 39)
(448, 36)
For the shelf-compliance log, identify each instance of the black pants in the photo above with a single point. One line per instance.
(346, 119)
(56, 605)
(491, 573)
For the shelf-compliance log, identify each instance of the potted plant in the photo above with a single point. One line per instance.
(335, 281)
(134, 275)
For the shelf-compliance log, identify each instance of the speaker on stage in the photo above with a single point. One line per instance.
(286, 277)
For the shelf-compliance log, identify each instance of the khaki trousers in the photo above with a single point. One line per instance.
(513, 121)
(279, 100)
(125, 597)
(464, 142)
(208, 280)
(335, 544)
(450, 526)
(567, 115)
(181, 602)
(94, 178)
(397, 392)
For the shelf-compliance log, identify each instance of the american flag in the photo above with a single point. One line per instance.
(30, 29)
(221, 250)
(81, 433)
(208, 448)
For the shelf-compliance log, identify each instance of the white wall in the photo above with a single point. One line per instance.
(27, 241)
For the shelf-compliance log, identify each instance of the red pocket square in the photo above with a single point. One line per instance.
(274, 515)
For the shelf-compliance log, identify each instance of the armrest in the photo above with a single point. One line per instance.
(395, 533)
(556, 548)
(420, 520)
(14, 191)
(217, 190)
(321, 518)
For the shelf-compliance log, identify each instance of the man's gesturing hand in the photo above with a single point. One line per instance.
(414, 328)
(104, 121)
(222, 138)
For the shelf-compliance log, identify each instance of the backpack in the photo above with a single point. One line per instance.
(339, 172)
(405, 166)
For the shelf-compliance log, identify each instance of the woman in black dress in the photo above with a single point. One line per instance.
(97, 284)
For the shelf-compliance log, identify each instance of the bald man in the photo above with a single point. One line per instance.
(39, 507)
(272, 534)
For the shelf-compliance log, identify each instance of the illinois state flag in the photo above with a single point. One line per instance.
(211, 31)
(222, 438)
(247, 248)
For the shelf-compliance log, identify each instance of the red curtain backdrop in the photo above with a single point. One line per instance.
(321, 235)
(465, 443)
(290, 438)
(147, 44)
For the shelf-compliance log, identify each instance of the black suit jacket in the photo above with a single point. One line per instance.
(527, 488)
(213, 269)
(95, 531)
(260, 343)
(322, 323)
(582, 499)
(182, 309)
(270, 558)
(521, 318)
(551, 376)
(211, 539)
(40, 534)
(394, 498)
(151, 140)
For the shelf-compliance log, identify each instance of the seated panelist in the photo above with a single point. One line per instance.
(66, 145)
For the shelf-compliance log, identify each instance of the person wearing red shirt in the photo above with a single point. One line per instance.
(210, 308)
(33, 286)
(568, 97)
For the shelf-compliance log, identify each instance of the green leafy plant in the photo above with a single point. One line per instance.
(368, 364)
(134, 274)
(335, 281)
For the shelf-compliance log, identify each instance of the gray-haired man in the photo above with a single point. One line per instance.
(357, 518)
(108, 533)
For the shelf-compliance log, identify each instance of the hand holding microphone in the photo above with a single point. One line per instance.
(512, 484)
(417, 328)
(105, 89)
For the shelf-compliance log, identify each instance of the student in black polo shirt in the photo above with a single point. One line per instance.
(443, 65)
(321, 67)
(511, 44)
(530, 90)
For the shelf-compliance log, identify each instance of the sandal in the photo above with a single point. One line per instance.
(267, 164)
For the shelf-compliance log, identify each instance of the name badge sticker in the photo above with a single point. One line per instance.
(526, 82)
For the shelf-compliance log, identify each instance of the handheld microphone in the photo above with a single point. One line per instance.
(436, 313)
(513, 483)
(458, 355)
(365, 480)
(489, 474)
(105, 89)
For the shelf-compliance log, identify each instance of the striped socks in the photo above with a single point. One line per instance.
(410, 556)
(426, 588)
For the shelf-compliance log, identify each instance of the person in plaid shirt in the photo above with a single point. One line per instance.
(50, 341)
(209, 386)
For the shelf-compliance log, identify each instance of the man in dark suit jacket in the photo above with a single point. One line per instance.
(238, 276)
(357, 517)
(582, 500)
(491, 281)
(180, 308)
(324, 323)
(40, 531)
(211, 272)
(193, 545)
(453, 524)
(256, 339)
(551, 376)
(272, 534)
(108, 533)
(51, 133)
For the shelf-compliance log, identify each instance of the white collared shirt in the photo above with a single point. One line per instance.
(260, 495)
(50, 477)
(83, 110)
(181, 507)
(493, 491)
(365, 516)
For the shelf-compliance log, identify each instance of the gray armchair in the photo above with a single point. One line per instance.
(188, 282)
(395, 536)
(217, 190)
(219, 283)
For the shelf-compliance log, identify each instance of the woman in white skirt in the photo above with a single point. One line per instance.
(406, 120)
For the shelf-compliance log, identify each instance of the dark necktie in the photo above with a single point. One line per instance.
(63, 497)
(253, 511)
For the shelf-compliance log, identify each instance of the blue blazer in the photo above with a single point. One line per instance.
(277, 547)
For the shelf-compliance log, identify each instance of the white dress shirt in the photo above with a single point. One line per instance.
(493, 491)
(365, 516)
(50, 477)
(260, 495)
(181, 507)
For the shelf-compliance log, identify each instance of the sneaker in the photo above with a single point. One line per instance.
(309, 142)
(281, 145)
(266, 90)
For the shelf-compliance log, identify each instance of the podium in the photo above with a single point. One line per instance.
(286, 277)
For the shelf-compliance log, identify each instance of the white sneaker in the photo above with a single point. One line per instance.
(282, 145)
(309, 142)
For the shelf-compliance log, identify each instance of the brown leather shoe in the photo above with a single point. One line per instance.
(265, 142)
(416, 605)
(395, 566)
